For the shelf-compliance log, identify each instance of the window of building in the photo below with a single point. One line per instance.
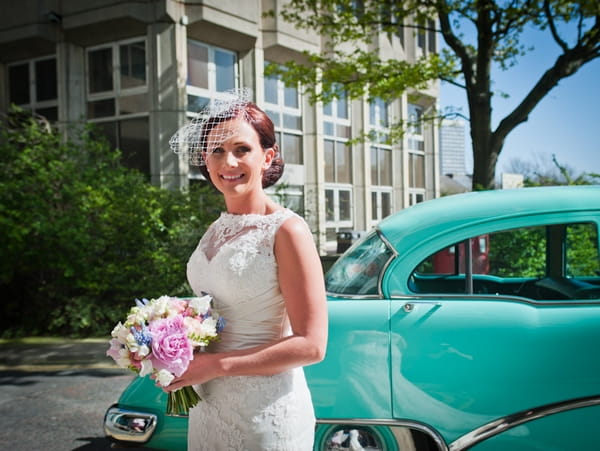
(425, 40)
(32, 85)
(381, 160)
(282, 104)
(211, 71)
(338, 166)
(381, 204)
(416, 149)
(337, 131)
(338, 210)
(117, 98)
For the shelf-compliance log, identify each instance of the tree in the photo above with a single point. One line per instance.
(540, 172)
(81, 235)
(498, 28)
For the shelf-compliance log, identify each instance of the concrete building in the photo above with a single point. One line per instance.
(140, 69)
(454, 178)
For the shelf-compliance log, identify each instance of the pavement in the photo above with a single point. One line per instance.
(54, 354)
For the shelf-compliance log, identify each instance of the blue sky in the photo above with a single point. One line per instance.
(565, 123)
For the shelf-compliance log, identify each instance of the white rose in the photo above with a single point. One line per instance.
(164, 377)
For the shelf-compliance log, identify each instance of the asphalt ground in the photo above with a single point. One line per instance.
(54, 354)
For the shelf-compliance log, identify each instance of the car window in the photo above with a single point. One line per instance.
(358, 270)
(553, 262)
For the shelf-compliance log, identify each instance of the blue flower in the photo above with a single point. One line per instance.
(142, 336)
(141, 303)
(220, 324)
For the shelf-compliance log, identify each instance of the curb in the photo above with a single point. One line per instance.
(55, 354)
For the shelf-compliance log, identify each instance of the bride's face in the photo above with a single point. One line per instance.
(235, 159)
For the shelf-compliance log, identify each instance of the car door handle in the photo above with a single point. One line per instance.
(409, 306)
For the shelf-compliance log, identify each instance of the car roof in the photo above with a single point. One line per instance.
(445, 214)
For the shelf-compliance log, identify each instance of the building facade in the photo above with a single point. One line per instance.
(140, 69)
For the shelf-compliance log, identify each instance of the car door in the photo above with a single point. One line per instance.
(474, 349)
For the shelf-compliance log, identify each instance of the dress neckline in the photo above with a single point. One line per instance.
(228, 215)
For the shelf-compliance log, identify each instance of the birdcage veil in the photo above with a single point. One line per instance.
(200, 136)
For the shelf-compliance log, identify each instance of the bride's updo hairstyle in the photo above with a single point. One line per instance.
(193, 138)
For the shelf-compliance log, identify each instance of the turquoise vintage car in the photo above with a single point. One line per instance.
(466, 322)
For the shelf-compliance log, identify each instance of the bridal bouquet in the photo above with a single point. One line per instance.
(159, 338)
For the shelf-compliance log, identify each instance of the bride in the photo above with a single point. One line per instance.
(260, 264)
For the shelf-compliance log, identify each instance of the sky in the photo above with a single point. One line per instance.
(565, 123)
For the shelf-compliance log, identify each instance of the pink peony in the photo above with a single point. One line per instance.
(171, 349)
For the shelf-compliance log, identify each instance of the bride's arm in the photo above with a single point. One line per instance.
(301, 282)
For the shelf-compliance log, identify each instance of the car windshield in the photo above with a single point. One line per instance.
(359, 269)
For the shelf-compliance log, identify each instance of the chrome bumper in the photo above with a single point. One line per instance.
(124, 425)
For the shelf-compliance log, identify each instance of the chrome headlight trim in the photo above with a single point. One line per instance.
(126, 425)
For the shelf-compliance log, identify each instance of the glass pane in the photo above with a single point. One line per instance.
(342, 107)
(108, 130)
(343, 162)
(274, 116)
(386, 204)
(328, 128)
(293, 122)
(373, 113)
(50, 113)
(133, 104)
(343, 131)
(197, 65)
(345, 205)
(329, 205)
(196, 103)
(385, 167)
(100, 70)
(583, 258)
(101, 108)
(329, 161)
(383, 114)
(419, 168)
(518, 253)
(271, 90)
(45, 80)
(327, 109)
(291, 97)
(292, 149)
(225, 63)
(374, 206)
(359, 269)
(133, 64)
(414, 116)
(374, 172)
(18, 84)
(134, 143)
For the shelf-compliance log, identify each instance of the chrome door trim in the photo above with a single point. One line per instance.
(500, 425)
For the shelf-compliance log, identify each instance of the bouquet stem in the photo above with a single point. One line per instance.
(180, 402)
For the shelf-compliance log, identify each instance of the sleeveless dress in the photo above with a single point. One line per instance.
(235, 263)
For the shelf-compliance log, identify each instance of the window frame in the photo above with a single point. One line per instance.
(278, 113)
(33, 103)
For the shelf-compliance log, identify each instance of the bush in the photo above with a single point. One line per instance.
(82, 236)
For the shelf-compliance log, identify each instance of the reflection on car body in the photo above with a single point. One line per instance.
(467, 322)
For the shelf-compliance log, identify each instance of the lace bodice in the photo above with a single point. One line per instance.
(235, 263)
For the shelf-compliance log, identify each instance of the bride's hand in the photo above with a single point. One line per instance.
(203, 368)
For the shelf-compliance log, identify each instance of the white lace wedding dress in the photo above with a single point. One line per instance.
(235, 263)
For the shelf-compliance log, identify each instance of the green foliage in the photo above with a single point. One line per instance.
(81, 235)
(480, 36)
(518, 253)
